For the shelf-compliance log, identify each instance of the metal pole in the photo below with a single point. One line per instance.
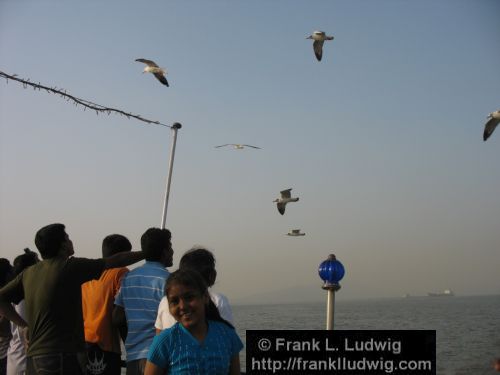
(331, 272)
(176, 126)
(330, 309)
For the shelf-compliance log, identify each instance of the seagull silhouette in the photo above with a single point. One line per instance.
(158, 72)
(238, 146)
(284, 199)
(489, 127)
(319, 37)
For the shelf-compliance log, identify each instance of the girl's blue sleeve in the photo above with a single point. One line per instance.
(158, 351)
(236, 344)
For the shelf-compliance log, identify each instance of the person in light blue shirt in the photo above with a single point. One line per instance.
(201, 342)
(139, 296)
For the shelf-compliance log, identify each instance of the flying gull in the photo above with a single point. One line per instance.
(158, 72)
(237, 146)
(489, 127)
(295, 233)
(319, 37)
(285, 198)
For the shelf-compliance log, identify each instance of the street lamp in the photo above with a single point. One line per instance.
(176, 126)
(331, 272)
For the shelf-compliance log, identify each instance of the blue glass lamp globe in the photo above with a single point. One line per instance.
(331, 271)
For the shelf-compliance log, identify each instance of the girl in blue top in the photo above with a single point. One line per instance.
(201, 342)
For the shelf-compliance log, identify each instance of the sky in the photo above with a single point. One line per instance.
(381, 140)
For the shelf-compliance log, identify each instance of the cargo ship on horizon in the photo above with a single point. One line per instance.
(445, 293)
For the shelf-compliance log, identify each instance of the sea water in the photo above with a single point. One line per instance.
(467, 328)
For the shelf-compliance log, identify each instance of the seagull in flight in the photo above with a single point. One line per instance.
(238, 146)
(489, 127)
(158, 72)
(295, 233)
(284, 199)
(319, 37)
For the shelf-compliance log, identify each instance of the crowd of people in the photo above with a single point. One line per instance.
(69, 315)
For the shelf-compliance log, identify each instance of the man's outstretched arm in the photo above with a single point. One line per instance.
(123, 259)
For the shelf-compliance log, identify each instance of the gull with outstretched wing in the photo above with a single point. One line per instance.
(491, 124)
(319, 38)
(285, 198)
(237, 146)
(158, 72)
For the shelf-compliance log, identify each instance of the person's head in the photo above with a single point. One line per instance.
(201, 260)
(114, 244)
(156, 246)
(52, 240)
(188, 299)
(5, 271)
(23, 261)
(187, 296)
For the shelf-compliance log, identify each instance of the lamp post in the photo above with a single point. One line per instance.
(331, 272)
(176, 126)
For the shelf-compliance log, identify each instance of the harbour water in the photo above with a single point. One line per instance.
(467, 328)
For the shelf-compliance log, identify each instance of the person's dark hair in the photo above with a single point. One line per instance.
(201, 260)
(5, 271)
(189, 278)
(49, 239)
(114, 244)
(23, 261)
(153, 243)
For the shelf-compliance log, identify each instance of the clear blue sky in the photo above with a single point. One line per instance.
(382, 140)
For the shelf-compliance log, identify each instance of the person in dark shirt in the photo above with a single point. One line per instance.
(53, 301)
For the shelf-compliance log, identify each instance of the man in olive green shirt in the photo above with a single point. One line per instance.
(53, 301)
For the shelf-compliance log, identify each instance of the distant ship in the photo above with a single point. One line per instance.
(445, 293)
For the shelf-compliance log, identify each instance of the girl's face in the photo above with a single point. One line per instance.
(187, 305)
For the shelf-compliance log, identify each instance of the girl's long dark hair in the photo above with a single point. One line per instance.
(192, 279)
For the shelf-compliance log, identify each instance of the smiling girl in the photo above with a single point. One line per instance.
(201, 341)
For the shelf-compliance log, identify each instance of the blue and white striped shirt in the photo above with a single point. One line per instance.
(140, 294)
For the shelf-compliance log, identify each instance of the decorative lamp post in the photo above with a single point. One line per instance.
(331, 272)
(175, 127)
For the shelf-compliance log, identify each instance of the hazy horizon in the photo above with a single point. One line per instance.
(381, 140)
(339, 299)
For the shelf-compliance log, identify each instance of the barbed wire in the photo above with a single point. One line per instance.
(77, 101)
